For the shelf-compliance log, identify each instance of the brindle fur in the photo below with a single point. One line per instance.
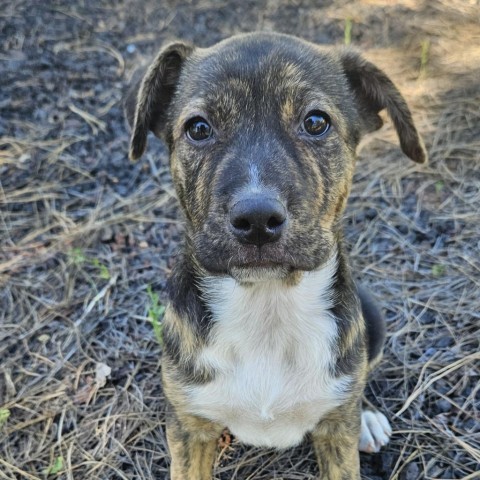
(255, 89)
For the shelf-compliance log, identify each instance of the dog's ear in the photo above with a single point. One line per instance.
(374, 91)
(147, 101)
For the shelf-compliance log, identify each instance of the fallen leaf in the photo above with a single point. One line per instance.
(102, 372)
(225, 440)
(85, 393)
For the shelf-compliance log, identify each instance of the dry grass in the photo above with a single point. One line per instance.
(84, 233)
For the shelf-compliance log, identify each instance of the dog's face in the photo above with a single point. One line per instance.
(262, 131)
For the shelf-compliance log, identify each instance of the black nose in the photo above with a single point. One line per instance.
(258, 219)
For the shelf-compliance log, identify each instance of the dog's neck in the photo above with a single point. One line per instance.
(282, 296)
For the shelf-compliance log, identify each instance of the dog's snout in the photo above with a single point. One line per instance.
(258, 220)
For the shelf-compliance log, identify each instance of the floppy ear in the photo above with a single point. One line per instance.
(374, 92)
(148, 99)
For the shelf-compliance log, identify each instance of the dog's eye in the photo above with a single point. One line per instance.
(316, 123)
(198, 129)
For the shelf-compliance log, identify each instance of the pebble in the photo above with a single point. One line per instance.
(443, 387)
(106, 234)
(427, 354)
(435, 472)
(370, 213)
(444, 342)
(388, 461)
(427, 318)
(410, 472)
(470, 424)
(448, 473)
(444, 405)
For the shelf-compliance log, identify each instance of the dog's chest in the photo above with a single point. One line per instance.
(271, 349)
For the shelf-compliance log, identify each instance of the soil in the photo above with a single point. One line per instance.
(87, 238)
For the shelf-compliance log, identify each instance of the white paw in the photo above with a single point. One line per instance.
(375, 432)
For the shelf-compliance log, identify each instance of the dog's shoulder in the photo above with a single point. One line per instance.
(186, 324)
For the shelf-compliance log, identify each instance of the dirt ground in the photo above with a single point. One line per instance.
(87, 238)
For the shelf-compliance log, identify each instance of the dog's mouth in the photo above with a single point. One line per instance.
(252, 264)
(260, 272)
(264, 264)
(269, 258)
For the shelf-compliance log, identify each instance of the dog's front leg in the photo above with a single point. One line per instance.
(192, 442)
(335, 440)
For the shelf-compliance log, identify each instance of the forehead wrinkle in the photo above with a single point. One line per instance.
(320, 101)
(230, 99)
(288, 76)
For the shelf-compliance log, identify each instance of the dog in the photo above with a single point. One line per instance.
(266, 332)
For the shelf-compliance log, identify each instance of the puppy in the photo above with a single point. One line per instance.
(265, 332)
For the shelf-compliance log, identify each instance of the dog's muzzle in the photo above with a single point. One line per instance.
(257, 219)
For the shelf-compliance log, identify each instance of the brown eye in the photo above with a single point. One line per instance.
(316, 123)
(198, 129)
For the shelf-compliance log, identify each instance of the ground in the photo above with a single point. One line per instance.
(88, 238)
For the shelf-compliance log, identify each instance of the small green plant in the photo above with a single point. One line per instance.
(4, 416)
(155, 314)
(104, 273)
(439, 186)
(438, 270)
(424, 56)
(77, 256)
(56, 468)
(348, 31)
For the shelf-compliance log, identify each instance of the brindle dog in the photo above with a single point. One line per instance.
(265, 332)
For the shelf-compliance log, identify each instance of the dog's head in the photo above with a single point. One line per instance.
(262, 131)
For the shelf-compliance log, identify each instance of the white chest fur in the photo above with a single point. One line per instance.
(271, 347)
